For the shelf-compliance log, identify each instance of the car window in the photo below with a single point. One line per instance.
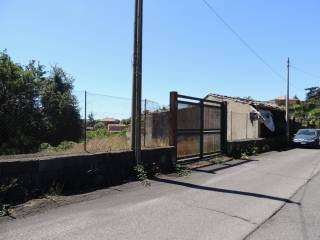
(306, 132)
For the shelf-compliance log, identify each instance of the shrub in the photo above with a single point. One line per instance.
(142, 174)
(98, 133)
(244, 156)
(65, 145)
(99, 125)
(255, 150)
(45, 147)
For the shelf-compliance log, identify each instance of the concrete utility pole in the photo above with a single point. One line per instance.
(287, 102)
(137, 82)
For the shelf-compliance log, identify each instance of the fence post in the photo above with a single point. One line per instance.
(85, 121)
(247, 116)
(201, 127)
(224, 127)
(173, 119)
(145, 122)
(231, 125)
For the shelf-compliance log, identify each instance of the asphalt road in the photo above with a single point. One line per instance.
(295, 222)
(225, 203)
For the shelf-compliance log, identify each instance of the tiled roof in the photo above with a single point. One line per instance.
(284, 98)
(109, 119)
(255, 103)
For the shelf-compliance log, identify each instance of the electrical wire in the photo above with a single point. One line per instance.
(244, 42)
(315, 76)
(251, 49)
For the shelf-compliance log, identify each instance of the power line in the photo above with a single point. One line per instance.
(306, 73)
(244, 42)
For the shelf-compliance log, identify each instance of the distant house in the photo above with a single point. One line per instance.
(109, 120)
(117, 127)
(281, 101)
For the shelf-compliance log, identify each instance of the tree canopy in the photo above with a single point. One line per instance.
(35, 106)
(308, 111)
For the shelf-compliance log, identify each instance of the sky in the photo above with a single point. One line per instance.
(186, 48)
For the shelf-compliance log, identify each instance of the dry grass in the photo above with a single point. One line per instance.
(111, 143)
(102, 144)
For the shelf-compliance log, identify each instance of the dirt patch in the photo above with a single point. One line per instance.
(45, 203)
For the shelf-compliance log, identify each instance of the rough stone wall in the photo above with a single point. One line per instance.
(76, 173)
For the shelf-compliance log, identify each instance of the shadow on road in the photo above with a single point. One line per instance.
(221, 190)
(218, 167)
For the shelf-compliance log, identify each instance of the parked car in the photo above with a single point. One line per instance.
(307, 137)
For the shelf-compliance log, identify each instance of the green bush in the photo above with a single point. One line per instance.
(255, 150)
(98, 133)
(99, 125)
(65, 145)
(142, 174)
(244, 156)
(45, 147)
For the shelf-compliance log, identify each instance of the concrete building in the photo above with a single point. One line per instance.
(246, 118)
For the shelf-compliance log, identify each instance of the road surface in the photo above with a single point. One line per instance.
(224, 203)
(295, 222)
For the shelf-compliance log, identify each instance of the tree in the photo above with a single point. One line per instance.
(35, 107)
(60, 108)
(308, 112)
(91, 120)
(20, 118)
(313, 95)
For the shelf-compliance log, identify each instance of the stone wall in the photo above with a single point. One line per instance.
(235, 148)
(28, 178)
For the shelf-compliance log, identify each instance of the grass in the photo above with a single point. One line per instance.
(99, 140)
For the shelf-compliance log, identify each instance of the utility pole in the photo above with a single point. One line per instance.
(137, 82)
(85, 121)
(287, 102)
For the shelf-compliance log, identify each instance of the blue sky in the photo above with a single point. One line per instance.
(186, 48)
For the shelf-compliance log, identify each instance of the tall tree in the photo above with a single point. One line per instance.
(313, 95)
(91, 120)
(35, 107)
(60, 108)
(20, 119)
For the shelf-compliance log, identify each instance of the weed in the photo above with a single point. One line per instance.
(255, 150)
(182, 171)
(63, 146)
(98, 133)
(45, 147)
(244, 156)
(4, 210)
(142, 175)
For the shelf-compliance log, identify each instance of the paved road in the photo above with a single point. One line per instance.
(295, 222)
(229, 203)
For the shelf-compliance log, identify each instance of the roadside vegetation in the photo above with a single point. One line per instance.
(308, 112)
(37, 106)
(40, 114)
